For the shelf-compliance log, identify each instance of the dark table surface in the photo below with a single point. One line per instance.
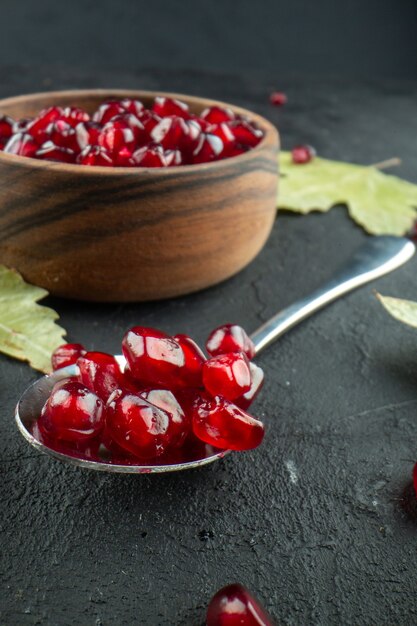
(320, 521)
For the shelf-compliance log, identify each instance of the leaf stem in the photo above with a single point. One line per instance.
(382, 165)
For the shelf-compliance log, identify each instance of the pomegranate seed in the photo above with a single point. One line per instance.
(95, 155)
(230, 338)
(116, 135)
(217, 115)
(139, 426)
(150, 156)
(100, 372)
(63, 135)
(6, 127)
(156, 358)
(50, 152)
(107, 111)
(87, 134)
(171, 133)
(21, 126)
(303, 154)
(124, 158)
(132, 106)
(235, 606)
(227, 375)
(169, 106)
(225, 134)
(149, 121)
(221, 423)
(67, 354)
(245, 133)
(84, 449)
(208, 149)
(75, 115)
(173, 158)
(72, 412)
(194, 360)
(21, 144)
(257, 380)
(278, 98)
(45, 117)
(180, 423)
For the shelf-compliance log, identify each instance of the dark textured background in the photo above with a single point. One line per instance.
(319, 522)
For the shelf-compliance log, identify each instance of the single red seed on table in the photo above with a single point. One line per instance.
(278, 98)
(150, 156)
(169, 106)
(21, 144)
(221, 423)
(138, 426)
(95, 155)
(50, 152)
(257, 380)
(234, 605)
(245, 133)
(67, 354)
(72, 413)
(230, 338)
(116, 135)
(217, 115)
(156, 358)
(227, 375)
(303, 154)
(194, 359)
(100, 372)
(209, 148)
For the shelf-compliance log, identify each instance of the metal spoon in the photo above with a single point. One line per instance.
(378, 256)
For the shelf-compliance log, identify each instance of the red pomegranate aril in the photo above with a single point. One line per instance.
(221, 423)
(67, 354)
(85, 449)
(303, 154)
(230, 338)
(6, 127)
(100, 372)
(150, 156)
(75, 115)
(171, 133)
(278, 98)
(169, 106)
(107, 111)
(63, 135)
(227, 375)
(21, 126)
(116, 135)
(194, 359)
(124, 158)
(132, 106)
(50, 152)
(45, 117)
(257, 380)
(233, 605)
(180, 423)
(154, 357)
(138, 426)
(72, 413)
(95, 155)
(22, 144)
(149, 119)
(217, 115)
(208, 149)
(245, 133)
(87, 134)
(173, 158)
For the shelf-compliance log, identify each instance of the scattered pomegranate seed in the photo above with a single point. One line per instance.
(303, 154)
(227, 375)
(221, 423)
(72, 413)
(278, 98)
(235, 606)
(67, 354)
(95, 155)
(100, 372)
(230, 338)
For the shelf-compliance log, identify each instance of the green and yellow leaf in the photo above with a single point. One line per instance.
(403, 310)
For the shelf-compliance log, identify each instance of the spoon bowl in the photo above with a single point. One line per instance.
(377, 257)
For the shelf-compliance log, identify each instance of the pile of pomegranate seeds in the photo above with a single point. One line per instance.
(123, 133)
(170, 402)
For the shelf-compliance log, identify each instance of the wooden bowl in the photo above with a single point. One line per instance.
(126, 234)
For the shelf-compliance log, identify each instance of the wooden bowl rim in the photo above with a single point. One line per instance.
(270, 134)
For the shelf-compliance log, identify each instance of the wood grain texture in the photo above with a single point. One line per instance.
(124, 234)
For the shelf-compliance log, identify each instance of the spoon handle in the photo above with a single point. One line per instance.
(378, 256)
